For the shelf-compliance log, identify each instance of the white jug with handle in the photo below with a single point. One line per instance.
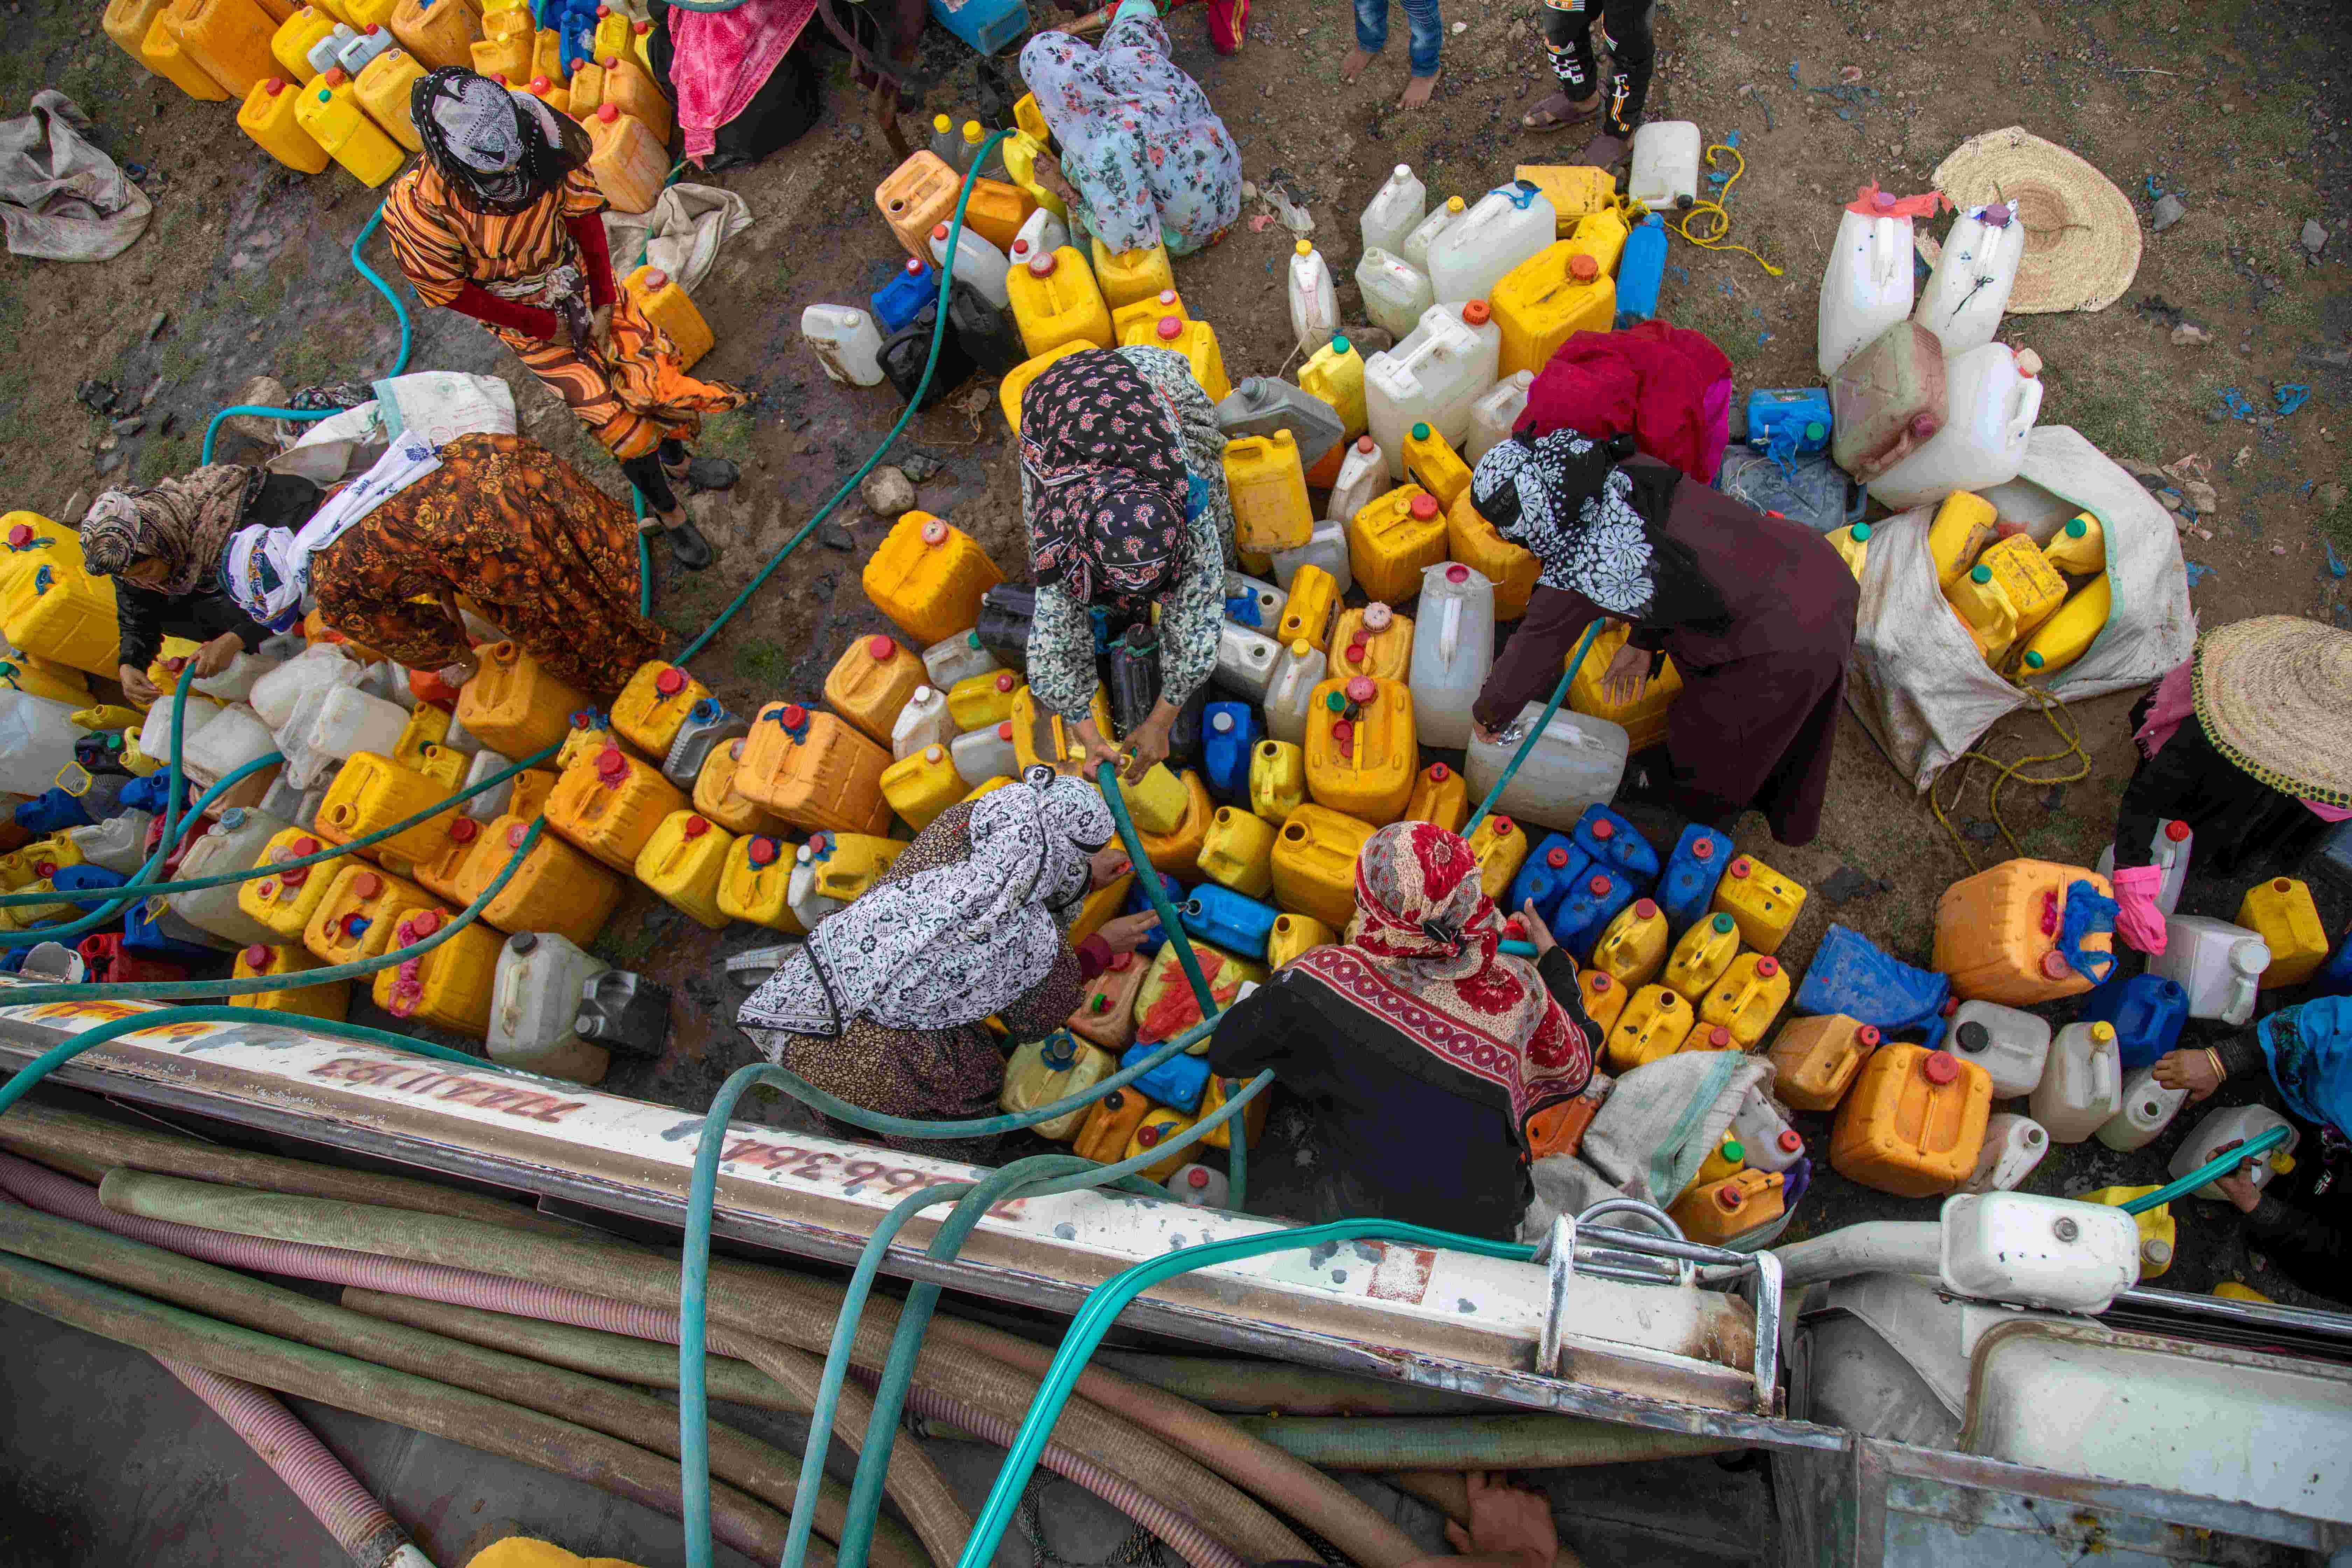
(1992, 396)
(1866, 288)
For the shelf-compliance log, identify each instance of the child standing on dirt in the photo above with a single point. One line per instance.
(1425, 33)
(1567, 37)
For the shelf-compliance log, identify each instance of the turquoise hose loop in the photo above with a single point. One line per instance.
(1558, 695)
(2219, 1166)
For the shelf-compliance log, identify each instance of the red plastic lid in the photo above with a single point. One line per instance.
(336, 76)
(610, 763)
(1004, 729)
(1042, 265)
(1719, 1038)
(1767, 967)
(1439, 772)
(672, 681)
(1584, 268)
(1147, 1136)
(938, 230)
(1728, 1196)
(1343, 732)
(1366, 444)
(1004, 681)
(762, 851)
(694, 828)
(367, 884)
(273, 86)
(1867, 1034)
(935, 532)
(1556, 857)
(1170, 327)
(1503, 826)
(793, 715)
(22, 535)
(1475, 312)
(257, 957)
(1939, 1067)
(1355, 654)
(643, 28)
(1605, 830)
(1021, 250)
(539, 84)
(463, 829)
(1645, 910)
(2054, 965)
(1362, 688)
(2176, 830)
(1598, 886)
(516, 835)
(1424, 506)
(373, 28)
(817, 841)
(1196, 1178)
(1739, 868)
(45, 868)
(293, 878)
(355, 925)
(1790, 1142)
(1457, 573)
(609, 113)
(914, 268)
(1703, 850)
(1600, 981)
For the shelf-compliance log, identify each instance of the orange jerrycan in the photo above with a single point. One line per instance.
(1913, 1122)
(328, 110)
(716, 796)
(1374, 640)
(440, 33)
(1559, 291)
(1501, 847)
(665, 303)
(514, 707)
(1644, 718)
(1815, 1060)
(1177, 853)
(814, 771)
(977, 701)
(268, 116)
(627, 86)
(1042, 735)
(449, 987)
(383, 86)
(921, 786)
(1165, 1005)
(1604, 999)
(159, 52)
(1056, 301)
(757, 883)
(611, 805)
(1160, 1126)
(683, 861)
(1103, 1136)
(229, 38)
(1043, 1071)
(2282, 913)
(1271, 511)
(996, 212)
(1715, 1212)
(1295, 934)
(371, 792)
(918, 194)
(1997, 933)
(1238, 852)
(1106, 1014)
(1214, 1096)
(556, 888)
(1360, 750)
(285, 902)
(928, 576)
(330, 999)
(58, 612)
(1653, 1025)
(1307, 613)
(127, 21)
(1314, 864)
(1761, 901)
(503, 51)
(1392, 541)
(871, 681)
(1441, 796)
(355, 919)
(1195, 342)
(1473, 541)
(1746, 999)
(628, 160)
(653, 705)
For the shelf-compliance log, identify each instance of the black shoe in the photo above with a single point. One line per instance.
(688, 548)
(710, 474)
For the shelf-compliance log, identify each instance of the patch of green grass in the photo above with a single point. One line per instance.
(2335, 524)
(764, 663)
(626, 946)
(726, 436)
(159, 459)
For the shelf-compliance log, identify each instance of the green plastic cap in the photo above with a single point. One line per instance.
(2076, 528)
(1734, 1149)
(2033, 659)
(1980, 574)
(1861, 534)
(972, 640)
(1421, 432)
(1342, 346)
(1336, 702)
(1816, 431)
(1722, 924)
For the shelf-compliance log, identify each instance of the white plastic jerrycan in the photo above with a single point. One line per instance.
(1502, 228)
(1578, 761)
(1453, 649)
(2011, 1046)
(2147, 1109)
(1993, 395)
(2231, 1125)
(1443, 217)
(1866, 287)
(1395, 211)
(534, 1003)
(1363, 476)
(1297, 670)
(1326, 547)
(976, 262)
(1432, 376)
(1395, 291)
(1314, 297)
(2013, 1145)
(1968, 290)
(1665, 165)
(2081, 1084)
(923, 722)
(1495, 412)
(846, 343)
(1246, 661)
(275, 694)
(2218, 964)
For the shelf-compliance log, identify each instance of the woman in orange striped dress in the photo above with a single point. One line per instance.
(498, 220)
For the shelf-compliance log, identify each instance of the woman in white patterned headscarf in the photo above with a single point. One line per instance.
(883, 1006)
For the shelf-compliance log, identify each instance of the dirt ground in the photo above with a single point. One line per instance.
(244, 272)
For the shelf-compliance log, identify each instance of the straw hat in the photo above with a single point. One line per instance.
(2274, 695)
(2082, 238)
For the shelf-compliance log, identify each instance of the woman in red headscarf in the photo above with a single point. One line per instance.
(1422, 1052)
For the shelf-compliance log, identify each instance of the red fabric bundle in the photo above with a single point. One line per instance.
(1670, 386)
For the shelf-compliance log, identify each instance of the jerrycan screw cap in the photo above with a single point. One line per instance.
(1980, 573)
(516, 835)
(694, 828)
(257, 956)
(1363, 443)
(464, 829)
(1939, 1067)
(1584, 268)
(2176, 830)
(2054, 965)
(1475, 312)
(935, 531)
(1767, 967)
(762, 851)
(1042, 266)
(1439, 772)
(1170, 328)
(1972, 1036)
(1601, 981)
(1597, 887)
(672, 681)
(1556, 858)
(1457, 573)
(1423, 506)
(1362, 688)
(611, 764)
(1867, 1034)
(1646, 909)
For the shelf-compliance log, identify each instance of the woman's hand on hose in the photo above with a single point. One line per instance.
(2195, 1071)
(1046, 169)
(136, 684)
(1108, 865)
(1149, 743)
(1096, 751)
(218, 654)
(1127, 932)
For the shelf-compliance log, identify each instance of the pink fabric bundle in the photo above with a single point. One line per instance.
(721, 59)
(1669, 385)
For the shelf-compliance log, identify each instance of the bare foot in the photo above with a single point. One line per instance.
(1353, 66)
(1418, 90)
(1560, 111)
(1603, 150)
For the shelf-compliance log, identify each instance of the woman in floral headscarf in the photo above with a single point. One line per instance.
(1123, 485)
(1418, 999)
(1756, 612)
(1144, 160)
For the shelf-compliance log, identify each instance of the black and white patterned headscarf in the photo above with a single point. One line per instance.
(498, 150)
(955, 943)
(1562, 498)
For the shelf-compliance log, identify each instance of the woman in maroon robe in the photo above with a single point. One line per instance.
(1756, 612)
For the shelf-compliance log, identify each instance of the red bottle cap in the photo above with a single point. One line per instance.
(1042, 265)
(293, 878)
(1167, 295)
(45, 868)
(1439, 772)
(1362, 688)
(1582, 268)
(336, 76)
(463, 829)
(1502, 825)
(641, 28)
(1475, 312)
(1146, 1136)
(539, 84)
(672, 681)
(938, 232)
(22, 535)
(2176, 830)
(1939, 1067)
(1556, 858)
(1703, 850)
(817, 842)
(257, 957)
(1790, 1142)
(367, 885)
(1767, 967)
(1343, 732)
(1739, 868)
(273, 86)
(1355, 654)
(2054, 965)
(935, 532)
(1867, 1034)
(1423, 506)
(1605, 830)
(793, 715)
(694, 828)
(611, 764)
(424, 923)
(1645, 910)
(1457, 573)
(1727, 1195)
(609, 113)
(762, 851)
(1718, 1038)
(1004, 681)
(1170, 327)
(1600, 981)
(1367, 445)
(1597, 887)
(516, 835)
(1196, 1178)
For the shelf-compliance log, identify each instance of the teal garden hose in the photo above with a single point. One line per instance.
(1534, 731)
